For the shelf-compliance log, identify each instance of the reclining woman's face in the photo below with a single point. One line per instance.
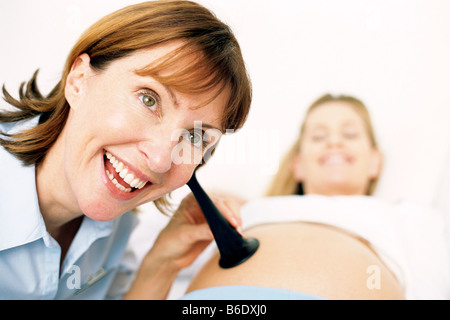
(122, 131)
(336, 156)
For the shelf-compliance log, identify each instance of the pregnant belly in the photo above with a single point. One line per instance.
(309, 258)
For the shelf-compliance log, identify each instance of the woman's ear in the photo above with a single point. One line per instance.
(297, 168)
(76, 79)
(376, 163)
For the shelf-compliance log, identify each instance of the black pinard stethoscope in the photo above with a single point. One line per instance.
(233, 248)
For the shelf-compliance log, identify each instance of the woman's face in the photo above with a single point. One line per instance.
(336, 156)
(130, 139)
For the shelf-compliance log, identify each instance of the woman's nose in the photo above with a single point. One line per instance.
(335, 140)
(157, 154)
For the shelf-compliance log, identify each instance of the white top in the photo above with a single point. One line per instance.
(410, 239)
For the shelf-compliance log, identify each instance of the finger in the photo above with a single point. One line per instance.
(231, 212)
(189, 210)
(196, 233)
(235, 210)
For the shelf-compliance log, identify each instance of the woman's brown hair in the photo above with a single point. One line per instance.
(118, 35)
(284, 182)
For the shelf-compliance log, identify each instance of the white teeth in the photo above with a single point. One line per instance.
(335, 159)
(116, 183)
(125, 174)
(119, 167)
(128, 178)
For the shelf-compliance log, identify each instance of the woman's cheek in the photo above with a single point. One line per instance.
(180, 175)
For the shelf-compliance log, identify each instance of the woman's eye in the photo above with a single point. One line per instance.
(195, 138)
(318, 137)
(350, 135)
(148, 101)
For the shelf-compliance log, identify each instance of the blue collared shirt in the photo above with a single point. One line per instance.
(30, 257)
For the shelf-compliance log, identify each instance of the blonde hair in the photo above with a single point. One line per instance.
(118, 35)
(284, 182)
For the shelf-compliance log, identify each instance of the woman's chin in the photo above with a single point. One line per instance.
(101, 212)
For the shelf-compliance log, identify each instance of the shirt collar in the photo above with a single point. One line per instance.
(21, 220)
(20, 215)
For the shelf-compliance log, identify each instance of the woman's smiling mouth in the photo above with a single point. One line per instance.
(335, 159)
(121, 176)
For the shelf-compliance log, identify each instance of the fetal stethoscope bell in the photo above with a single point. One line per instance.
(233, 248)
(243, 251)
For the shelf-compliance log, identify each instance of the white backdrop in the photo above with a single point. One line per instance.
(393, 55)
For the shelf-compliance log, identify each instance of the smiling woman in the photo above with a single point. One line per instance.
(336, 152)
(101, 143)
(143, 150)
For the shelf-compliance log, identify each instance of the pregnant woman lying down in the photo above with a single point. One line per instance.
(322, 234)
